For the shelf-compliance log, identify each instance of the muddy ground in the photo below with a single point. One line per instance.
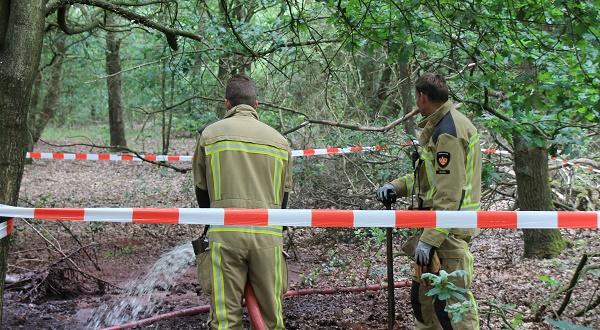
(118, 253)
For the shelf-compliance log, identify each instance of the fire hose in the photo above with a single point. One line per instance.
(253, 309)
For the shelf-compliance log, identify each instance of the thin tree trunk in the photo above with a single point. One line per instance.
(41, 119)
(534, 194)
(166, 115)
(222, 75)
(408, 99)
(21, 32)
(115, 107)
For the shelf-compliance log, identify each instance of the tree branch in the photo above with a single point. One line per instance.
(170, 33)
(62, 23)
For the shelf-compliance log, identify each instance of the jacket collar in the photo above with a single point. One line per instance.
(430, 122)
(241, 110)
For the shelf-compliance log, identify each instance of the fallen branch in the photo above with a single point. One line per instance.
(51, 244)
(590, 306)
(572, 284)
(136, 153)
(579, 272)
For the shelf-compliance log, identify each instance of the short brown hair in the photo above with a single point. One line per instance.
(241, 89)
(434, 86)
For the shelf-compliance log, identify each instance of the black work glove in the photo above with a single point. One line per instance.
(386, 194)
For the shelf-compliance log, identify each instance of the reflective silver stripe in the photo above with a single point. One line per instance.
(246, 147)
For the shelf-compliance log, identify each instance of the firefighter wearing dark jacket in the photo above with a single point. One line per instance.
(241, 162)
(447, 177)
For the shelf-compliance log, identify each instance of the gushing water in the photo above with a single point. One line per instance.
(141, 295)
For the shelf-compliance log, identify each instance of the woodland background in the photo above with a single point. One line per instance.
(142, 76)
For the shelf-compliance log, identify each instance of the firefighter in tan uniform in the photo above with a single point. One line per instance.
(240, 162)
(447, 177)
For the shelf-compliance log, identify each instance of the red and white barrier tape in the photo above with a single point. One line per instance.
(6, 228)
(184, 158)
(565, 162)
(316, 218)
(295, 153)
(107, 156)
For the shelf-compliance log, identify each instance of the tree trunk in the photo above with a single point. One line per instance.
(21, 32)
(115, 107)
(408, 99)
(41, 119)
(534, 194)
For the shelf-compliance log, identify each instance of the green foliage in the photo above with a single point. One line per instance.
(458, 310)
(566, 325)
(310, 279)
(549, 281)
(444, 289)
(120, 251)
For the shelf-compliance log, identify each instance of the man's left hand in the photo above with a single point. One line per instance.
(423, 253)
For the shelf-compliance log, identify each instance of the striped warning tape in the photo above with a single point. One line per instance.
(187, 158)
(184, 158)
(295, 153)
(565, 162)
(316, 218)
(107, 156)
(6, 228)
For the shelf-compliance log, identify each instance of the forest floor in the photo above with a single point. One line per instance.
(324, 258)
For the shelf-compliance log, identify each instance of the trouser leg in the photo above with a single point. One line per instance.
(455, 255)
(464, 261)
(423, 309)
(267, 273)
(223, 272)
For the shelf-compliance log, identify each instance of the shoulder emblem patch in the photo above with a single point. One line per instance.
(443, 158)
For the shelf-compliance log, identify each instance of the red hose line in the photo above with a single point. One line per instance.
(253, 308)
(292, 293)
(375, 287)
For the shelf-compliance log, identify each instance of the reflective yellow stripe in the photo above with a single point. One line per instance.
(474, 309)
(442, 230)
(278, 289)
(409, 181)
(215, 166)
(277, 179)
(268, 230)
(470, 207)
(218, 287)
(427, 158)
(470, 261)
(246, 147)
(470, 169)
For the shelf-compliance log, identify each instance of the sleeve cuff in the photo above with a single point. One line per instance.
(434, 236)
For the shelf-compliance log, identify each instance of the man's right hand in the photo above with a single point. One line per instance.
(386, 194)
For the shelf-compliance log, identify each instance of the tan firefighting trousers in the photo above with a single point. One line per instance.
(454, 254)
(234, 258)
